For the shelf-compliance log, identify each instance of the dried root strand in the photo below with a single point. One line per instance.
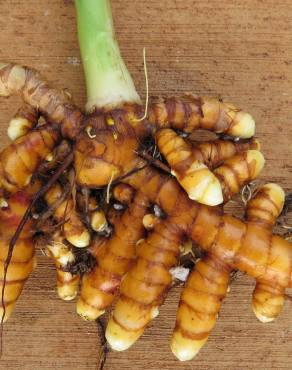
(104, 349)
(154, 162)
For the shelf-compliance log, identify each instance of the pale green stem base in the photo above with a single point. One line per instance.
(108, 81)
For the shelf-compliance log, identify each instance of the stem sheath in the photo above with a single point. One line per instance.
(108, 81)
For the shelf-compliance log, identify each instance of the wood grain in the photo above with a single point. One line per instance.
(240, 50)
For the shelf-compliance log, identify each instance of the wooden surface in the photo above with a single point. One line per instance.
(240, 50)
